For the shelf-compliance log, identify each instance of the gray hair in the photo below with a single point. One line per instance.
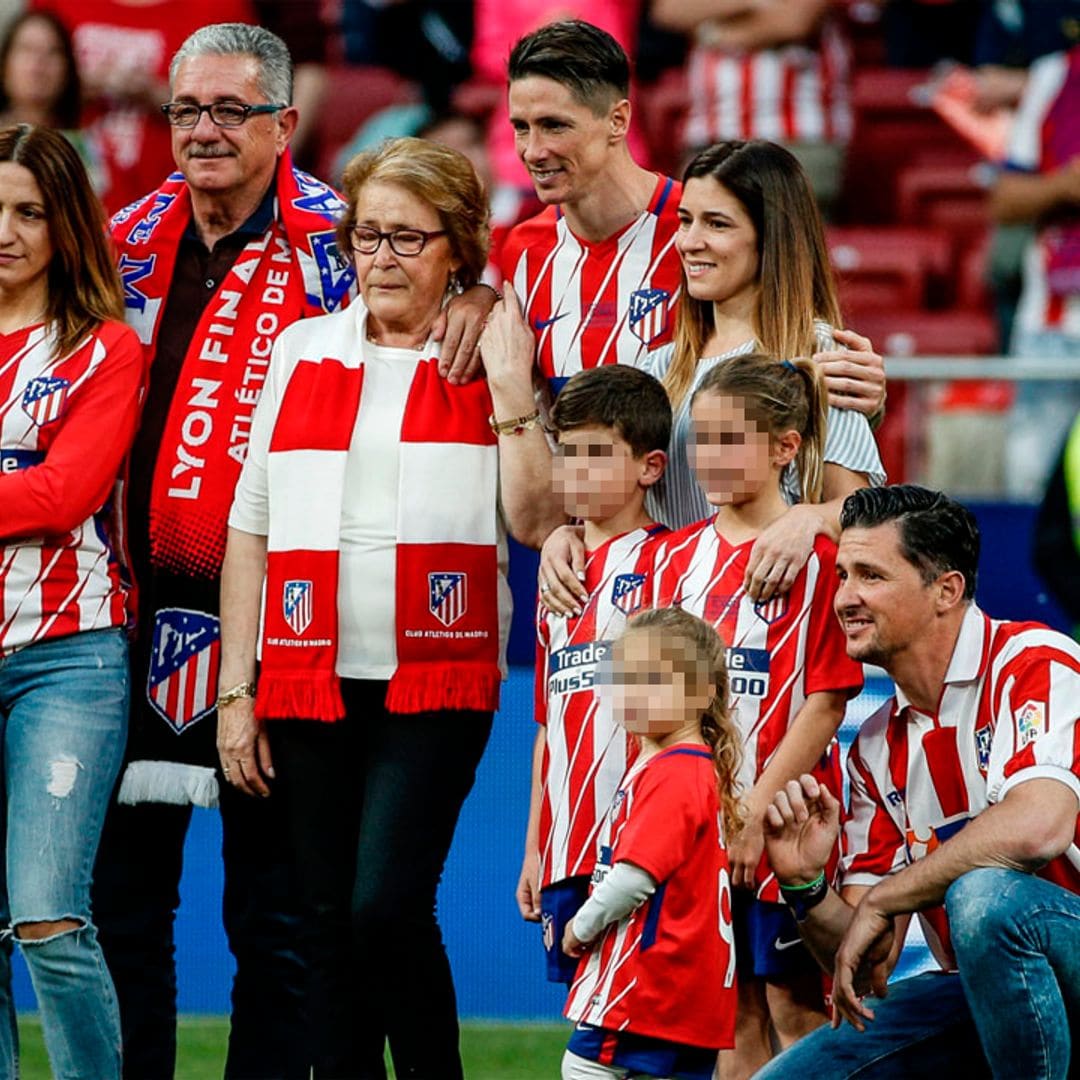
(240, 39)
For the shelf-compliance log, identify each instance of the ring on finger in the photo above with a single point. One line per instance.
(545, 587)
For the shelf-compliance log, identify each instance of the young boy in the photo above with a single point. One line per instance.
(612, 425)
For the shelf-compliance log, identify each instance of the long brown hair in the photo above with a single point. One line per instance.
(795, 278)
(785, 396)
(83, 283)
(717, 727)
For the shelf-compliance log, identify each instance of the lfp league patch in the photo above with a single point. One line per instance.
(628, 592)
(1030, 722)
(448, 597)
(184, 656)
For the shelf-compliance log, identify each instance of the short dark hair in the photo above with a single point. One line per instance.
(616, 396)
(588, 61)
(937, 534)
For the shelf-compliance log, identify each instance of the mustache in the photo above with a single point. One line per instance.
(202, 150)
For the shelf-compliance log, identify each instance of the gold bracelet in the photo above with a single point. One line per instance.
(517, 426)
(235, 693)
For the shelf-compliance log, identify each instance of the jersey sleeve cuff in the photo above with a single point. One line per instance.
(1036, 772)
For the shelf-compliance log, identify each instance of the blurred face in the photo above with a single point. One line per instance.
(565, 146)
(37, 68)
(717, 243)
(730, 451)
(659, 685)
(402, 292)
(221, 161)
(881, 601)
(595, 473)
(25, 247)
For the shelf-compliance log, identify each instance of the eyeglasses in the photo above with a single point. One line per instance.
(404, 242)
(226, 114)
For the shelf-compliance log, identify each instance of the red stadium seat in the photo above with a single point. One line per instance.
(884, 268)
(953, 197)
(931, 333)
(972, 291)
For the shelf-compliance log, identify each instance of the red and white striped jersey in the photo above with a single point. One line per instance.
(1045, 136)
(65, 426)
(793, 93)
(667, 969)
(778, 652)
(586, 751)
(604, 303)
(1008, 713)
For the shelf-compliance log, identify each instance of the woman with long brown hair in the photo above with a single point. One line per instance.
(71, 376)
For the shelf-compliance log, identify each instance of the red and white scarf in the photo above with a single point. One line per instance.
(293, 270)
(447, 574)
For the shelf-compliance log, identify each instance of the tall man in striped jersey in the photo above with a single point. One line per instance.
(965, 789)
(596, 272)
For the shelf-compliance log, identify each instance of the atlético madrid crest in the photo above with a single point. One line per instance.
(628, 592)
(296, 599)
(43, 399)
(185, 651)
(447, 596)
(771, 610)
(649, 313)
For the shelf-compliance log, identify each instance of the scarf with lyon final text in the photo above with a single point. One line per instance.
(292, 270)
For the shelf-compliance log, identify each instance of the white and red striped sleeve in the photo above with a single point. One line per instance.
(1036, 705)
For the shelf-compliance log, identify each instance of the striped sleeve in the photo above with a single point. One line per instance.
(1045, 80)
(1036, 733)
(850, 442)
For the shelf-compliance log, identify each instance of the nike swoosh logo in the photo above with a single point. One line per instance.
(543, 324)
(780, 946)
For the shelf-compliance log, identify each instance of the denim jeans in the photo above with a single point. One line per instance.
(923, 1028)
(1017, 941)
(63, 722)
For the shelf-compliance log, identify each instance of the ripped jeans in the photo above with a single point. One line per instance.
(63, 723)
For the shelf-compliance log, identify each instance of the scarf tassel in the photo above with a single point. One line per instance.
(420, 687)
(308, 695)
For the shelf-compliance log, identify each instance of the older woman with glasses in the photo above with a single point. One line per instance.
(368, 505)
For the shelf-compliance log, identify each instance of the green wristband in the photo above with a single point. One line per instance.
(816, 883)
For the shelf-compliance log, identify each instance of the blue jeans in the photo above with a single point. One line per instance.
(923, 1028)
(1017, 942)
(63, 723)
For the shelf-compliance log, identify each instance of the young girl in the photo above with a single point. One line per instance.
(755, 421)
(654, 994)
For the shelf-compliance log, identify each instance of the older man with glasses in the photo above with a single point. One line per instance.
(216, 262)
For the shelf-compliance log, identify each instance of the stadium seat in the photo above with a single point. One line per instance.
(931, 333)
(952, 197)
(884, 268)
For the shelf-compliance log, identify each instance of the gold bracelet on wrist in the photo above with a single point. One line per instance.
(517, 426)
(235, 693)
